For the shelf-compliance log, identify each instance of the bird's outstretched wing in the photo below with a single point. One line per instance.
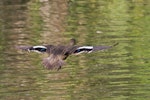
(59, 53)
(38, 49)
(89, 49)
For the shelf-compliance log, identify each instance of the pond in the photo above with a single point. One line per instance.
(119, 73)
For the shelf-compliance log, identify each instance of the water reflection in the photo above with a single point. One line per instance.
(119, 73)
(53, 14)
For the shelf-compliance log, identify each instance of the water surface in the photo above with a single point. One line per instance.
(120, 73)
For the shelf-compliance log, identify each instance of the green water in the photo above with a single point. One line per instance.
(120, 73)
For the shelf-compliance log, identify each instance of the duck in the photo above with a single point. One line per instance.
(59, 53)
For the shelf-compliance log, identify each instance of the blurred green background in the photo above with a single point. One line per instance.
(120, 73)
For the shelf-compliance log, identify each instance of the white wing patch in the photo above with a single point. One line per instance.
(86, 47)
(39, 47)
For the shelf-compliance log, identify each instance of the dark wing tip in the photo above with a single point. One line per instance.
(26, 48)
(97, 48)
(115, 44)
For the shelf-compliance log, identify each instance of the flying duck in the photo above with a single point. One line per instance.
(57, 54)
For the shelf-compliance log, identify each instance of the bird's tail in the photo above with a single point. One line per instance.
(53, 62)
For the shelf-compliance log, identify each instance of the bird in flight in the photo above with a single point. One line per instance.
(57, 54)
